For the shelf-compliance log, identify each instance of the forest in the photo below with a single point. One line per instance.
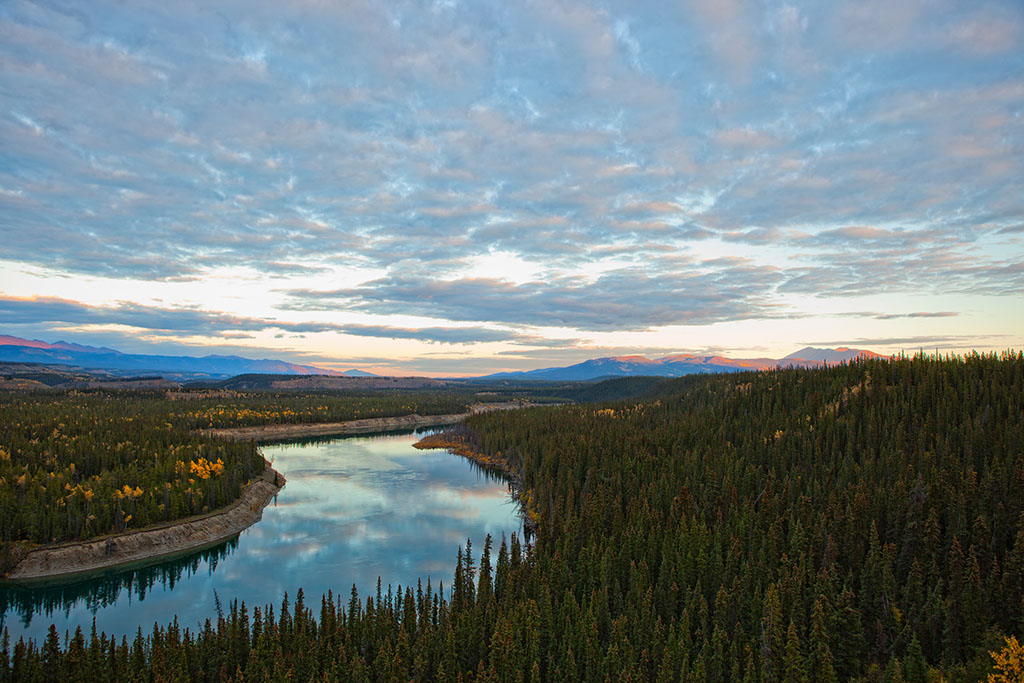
(860, 522)
(77, 464)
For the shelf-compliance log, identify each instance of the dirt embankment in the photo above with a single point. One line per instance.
(282, 432)
(297, 431)
(152, 544)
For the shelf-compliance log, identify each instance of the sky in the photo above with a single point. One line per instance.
(453, 188)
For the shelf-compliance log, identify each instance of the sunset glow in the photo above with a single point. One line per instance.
(454, 188)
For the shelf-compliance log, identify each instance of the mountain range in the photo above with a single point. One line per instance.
(683, 364)
(17, 350)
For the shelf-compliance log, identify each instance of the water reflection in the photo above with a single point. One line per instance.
(332, 438)
(104, 590)
(354, 509)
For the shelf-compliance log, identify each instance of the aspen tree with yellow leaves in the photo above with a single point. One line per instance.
(1009, 663)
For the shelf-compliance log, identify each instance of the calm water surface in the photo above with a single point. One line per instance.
(354, 508)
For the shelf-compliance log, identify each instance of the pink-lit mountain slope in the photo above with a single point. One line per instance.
(683, 364)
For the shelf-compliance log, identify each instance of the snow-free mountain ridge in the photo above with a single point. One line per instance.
(18, 350)
(15, 349)
(683, 364)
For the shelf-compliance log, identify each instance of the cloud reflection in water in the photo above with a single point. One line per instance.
(353, 509)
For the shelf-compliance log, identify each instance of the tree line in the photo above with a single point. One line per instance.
(861, 522)
(78, 464)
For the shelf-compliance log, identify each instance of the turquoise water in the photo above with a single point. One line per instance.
(354, 509)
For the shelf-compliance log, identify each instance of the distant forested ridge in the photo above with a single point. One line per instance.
(861, 522)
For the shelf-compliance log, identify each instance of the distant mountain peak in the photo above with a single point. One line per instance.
(681, 364)
(355, 372)
(16, 349)
(7, 340)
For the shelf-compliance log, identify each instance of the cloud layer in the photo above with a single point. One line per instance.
(650, 165)
(174, 322)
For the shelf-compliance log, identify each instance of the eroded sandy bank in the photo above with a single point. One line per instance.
(74, 560)
(70, 560)
(297, 431)
(283, 432)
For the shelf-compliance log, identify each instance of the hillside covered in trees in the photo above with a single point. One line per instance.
(862, 522)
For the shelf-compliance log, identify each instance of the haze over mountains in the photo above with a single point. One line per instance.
(17, 350)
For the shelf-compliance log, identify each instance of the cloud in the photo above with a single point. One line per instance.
(988, 31)
(731, 34)
(664, 288)
(923, 342)
(630, 298)
(456, 335)
(938, 270)
(935, 314)
(21, 311)
(149, 158)
(444, 335)
(175, 322)
(846, 150)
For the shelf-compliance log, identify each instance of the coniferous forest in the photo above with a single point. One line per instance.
(861, 522)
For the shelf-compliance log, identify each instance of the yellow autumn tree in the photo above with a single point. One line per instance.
(1009, 664)
(204, 468)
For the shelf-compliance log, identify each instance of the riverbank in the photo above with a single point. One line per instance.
(459, 445)
(285, 432)
(80, 559)
(67, 561)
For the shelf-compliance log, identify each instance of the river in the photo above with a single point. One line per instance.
(354, 509)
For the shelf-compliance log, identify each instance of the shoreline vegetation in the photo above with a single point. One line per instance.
(282, 432)
(81, 559)
(458, 442)
(74, 560)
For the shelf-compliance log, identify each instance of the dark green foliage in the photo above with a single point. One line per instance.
(77, 465)
(261, 408)
(618, 389)
(860, 522)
